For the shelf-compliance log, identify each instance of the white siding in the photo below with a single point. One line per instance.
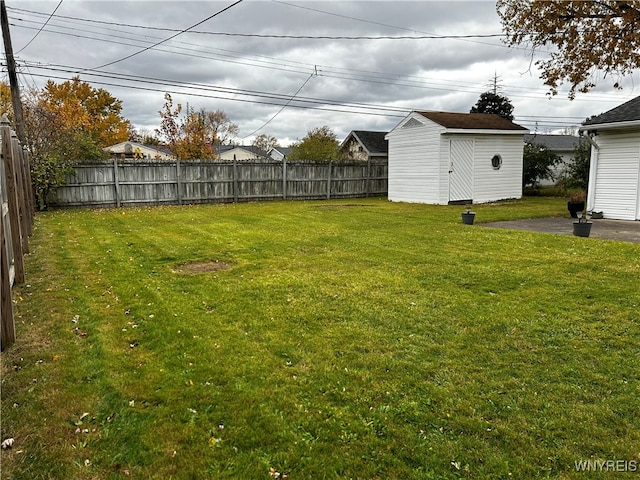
(490, 184)
(617, 175)
(419, 163)
(414, 171)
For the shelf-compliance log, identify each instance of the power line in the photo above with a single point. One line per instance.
(326, 71)
(43, 25)
(283, 107)
(429, 36)
(171, 37)
(303, 102)
(213, 88)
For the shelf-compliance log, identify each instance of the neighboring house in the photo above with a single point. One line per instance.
(441, 158)
(279, 153)
(614, 175)
(561, 145)
(134, 150)
(239, 152)
(365, 145)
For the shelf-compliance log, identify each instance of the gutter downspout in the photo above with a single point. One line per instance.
(593, 167)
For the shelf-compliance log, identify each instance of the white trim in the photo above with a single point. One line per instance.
(638, 190)
(485, 131)
(609, 126)
(593, 169)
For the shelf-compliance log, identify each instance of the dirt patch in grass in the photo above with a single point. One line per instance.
(201, 266)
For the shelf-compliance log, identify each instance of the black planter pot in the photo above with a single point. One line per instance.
(574, 208)
(582, 229)
(467, 217)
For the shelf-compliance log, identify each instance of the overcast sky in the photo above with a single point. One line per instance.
(343, 83)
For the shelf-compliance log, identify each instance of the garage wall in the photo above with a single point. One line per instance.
(617, 176)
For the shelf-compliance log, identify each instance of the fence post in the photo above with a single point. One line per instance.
(329, 182)
(29, 192)
(235, 179)
(116, 181)
(179, 181)
(284, 178)
(12, 200)
(7, 325)
(367, 192)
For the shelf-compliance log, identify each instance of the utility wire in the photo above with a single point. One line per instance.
(42, 27)
(171, 37)
(281, 109)
(200, 95)
(426, 36)
(219, 89)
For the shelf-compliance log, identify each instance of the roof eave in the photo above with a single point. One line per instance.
(609, 126)
(485, 131)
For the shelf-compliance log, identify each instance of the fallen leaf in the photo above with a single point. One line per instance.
(7, 443)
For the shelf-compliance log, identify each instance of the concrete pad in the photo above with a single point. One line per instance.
(622, 230)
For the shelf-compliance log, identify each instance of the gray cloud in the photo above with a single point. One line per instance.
(434, 74)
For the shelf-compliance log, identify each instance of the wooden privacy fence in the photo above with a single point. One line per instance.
(16, 194)
(121, 183)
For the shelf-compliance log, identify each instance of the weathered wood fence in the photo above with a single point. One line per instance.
(16, 194)
(119, 183)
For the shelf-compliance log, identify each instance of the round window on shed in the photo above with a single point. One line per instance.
(496, 162)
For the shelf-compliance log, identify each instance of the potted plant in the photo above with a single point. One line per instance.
(576, 204)
(468, 215)
(582, 226)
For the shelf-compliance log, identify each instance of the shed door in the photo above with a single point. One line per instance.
(461, 170)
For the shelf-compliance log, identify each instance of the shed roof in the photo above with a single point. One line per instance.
(627, 112)
(472, 121)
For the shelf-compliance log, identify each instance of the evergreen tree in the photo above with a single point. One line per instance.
(492, 102)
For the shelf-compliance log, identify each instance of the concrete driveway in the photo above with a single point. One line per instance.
(622, 230)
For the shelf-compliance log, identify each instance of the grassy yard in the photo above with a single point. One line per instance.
(345, 339)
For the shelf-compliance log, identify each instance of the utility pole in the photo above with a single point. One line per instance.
(494, 83)
(13, 77)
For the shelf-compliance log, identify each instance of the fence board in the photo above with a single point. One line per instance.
(16, 223)
(157, 183)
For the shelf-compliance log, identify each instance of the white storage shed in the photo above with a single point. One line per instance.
(614, 174)
(442, 158)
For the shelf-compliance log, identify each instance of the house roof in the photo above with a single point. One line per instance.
(627, 112)
(220, 149)
(121, 148)
(471, 121)
(283, 150)
(556, 143)
(373, 142)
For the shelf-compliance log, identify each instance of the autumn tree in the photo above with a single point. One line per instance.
(195, 138)
(194, 135)
(220, 129)
(491, 102)
(66, 123)
(264, 142)
(144, 136)
(92, 110)
(319, 144)
(585, 37)
(169, 129)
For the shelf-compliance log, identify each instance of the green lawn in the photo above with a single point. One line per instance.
(346, 339)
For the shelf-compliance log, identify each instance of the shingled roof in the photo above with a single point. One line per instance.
(373, 142)
(472, 121)
(556, 143)
(627, 112)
